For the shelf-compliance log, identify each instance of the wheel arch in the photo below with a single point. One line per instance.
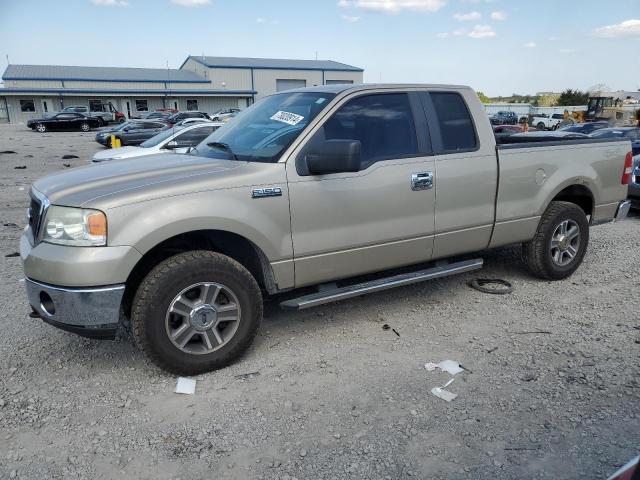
(235, 246)
(577, 193)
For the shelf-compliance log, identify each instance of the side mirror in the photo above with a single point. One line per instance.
(334, 156)
(172, 145)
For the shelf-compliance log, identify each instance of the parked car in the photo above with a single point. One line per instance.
(630, 133)
(172, 140)
(105, 111)
(191, 121)
(103, 136)
(305, 189)
(153, 116)
(64, 121)
(224, 114)
(634, 183)
(586, 128)
(137, 131)
(507, 129)
(177, 117)
(544, 122)
(504, 118)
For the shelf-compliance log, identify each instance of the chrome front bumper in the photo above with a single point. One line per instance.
(623, 210)
(77, 309)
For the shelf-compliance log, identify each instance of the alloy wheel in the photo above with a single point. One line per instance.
(565, 242)
(202, 318)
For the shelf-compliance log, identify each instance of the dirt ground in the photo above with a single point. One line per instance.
(551, 392)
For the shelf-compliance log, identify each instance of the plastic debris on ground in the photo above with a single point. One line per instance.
(186, 386)
(449, 366)
(445, 395)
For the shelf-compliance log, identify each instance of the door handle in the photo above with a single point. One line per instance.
(421, 181)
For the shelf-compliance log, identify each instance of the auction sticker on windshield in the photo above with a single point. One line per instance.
(287, 117)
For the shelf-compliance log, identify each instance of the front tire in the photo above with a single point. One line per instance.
(195, 312)
(560, 242)
(41, 127)
(85, 127)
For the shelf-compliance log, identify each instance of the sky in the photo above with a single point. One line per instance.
(499, 47)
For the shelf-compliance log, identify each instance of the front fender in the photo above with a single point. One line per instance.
(263, 221)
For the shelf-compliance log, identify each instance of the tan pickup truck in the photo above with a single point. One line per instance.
(306, 192)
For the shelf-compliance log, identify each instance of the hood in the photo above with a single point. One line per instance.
(120, 182)
(113, 153)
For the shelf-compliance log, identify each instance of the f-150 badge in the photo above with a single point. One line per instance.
(266, 192)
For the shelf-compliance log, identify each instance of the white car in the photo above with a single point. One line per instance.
(176, 140)
(547, 123)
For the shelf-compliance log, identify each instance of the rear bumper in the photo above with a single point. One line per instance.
(93, 312)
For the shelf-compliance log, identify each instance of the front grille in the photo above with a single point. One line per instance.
(35, 211)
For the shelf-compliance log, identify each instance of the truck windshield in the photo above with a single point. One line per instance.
(263, 131)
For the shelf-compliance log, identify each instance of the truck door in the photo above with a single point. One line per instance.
(382, 216)
(466, 172)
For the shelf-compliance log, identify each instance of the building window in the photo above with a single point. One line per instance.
(27, 106)
(337, 82)
(141, 106)
(95, 105)
(192, 105)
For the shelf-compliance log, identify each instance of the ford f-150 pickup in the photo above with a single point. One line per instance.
(323, 193)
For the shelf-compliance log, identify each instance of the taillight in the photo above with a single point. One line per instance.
(628, 168)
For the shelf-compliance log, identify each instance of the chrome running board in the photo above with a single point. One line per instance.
(337, 294)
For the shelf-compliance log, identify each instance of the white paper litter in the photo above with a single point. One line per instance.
(186, 386)
(450, 366)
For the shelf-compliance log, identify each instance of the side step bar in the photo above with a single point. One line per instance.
(337, 294)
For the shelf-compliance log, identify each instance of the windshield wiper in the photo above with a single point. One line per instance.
(223, 146)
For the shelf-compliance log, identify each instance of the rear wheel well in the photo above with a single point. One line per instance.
(230, 244)
(579, 195)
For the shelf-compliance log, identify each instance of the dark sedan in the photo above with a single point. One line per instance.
(64, 121)
(137, 131)
(177, 117)
(634, 183)
(103, 136)
(627, 133)
(587, 128)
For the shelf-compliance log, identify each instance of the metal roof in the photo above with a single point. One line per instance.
(100, 74)
(273, 63)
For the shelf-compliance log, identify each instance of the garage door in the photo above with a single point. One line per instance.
(289, 84)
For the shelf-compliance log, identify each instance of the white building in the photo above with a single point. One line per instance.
(201, 83)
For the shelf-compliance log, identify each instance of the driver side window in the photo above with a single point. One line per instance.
(382, 123)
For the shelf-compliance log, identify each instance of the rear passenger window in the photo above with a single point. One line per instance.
(382, 123)
(454, 119)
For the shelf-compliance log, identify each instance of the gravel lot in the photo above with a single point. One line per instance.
(552, 392)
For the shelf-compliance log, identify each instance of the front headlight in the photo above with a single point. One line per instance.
(79, 227)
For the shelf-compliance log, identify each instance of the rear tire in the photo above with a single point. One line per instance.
(173, 305)
(540, 126)
(560, 242)
(85, 127)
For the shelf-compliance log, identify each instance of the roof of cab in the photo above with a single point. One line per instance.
(342, 87)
